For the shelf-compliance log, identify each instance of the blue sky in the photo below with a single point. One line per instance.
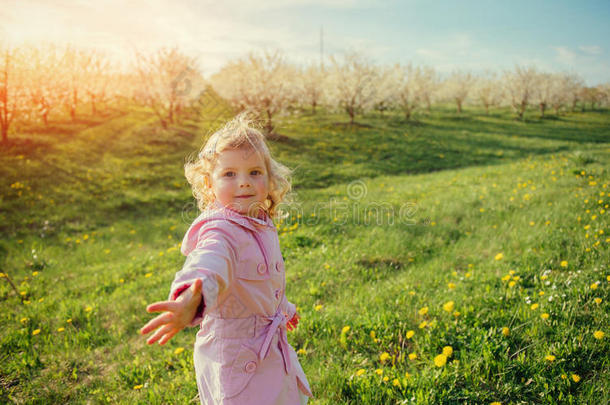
(470, 35)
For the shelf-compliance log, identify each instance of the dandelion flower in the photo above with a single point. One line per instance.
(318, 307)
(423, 311)
(345, 329)
(496, 403)
(440, 360)
(505, 331)
(360, 372)
(423, 325)
(512, 283)
(598, 300)
(179, 350)
(35, 332)
(594, 286)
(386, 378)
(384, 356)
(534, 307)
(456, 313)
(549, 357)
(506, 277)
(396, 382)
(545, 316)
(448, 306)
(61, 329)
(448, 351)
(412, 356)
(499, 256)
(564, 263)
(451, 286)
(379, 371)
(575, 377)
(410, 334)
(598, 334)
(138, 387)
(302, 351)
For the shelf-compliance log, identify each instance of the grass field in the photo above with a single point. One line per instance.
(479, 233)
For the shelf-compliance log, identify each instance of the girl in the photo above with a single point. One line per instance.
(233, 282)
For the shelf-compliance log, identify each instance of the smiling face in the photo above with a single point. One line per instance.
(240, 180)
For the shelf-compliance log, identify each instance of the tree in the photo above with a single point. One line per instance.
(169, 80)
(75, 64)
(262, 83)
(386, 94)
(96, 80)
(408, 90)
(488, 91)
(519, 85)
(428, 84)
(312, 86)
(42, 74)
(352, 84)
(542, 90)
(457, 87)
(12, 92)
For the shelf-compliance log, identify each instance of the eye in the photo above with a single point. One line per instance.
(229, 174)
(256, 172)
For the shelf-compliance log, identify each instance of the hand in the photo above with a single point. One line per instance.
(292, 324)
(178, 314)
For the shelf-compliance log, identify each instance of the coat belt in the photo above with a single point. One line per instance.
(278, 323)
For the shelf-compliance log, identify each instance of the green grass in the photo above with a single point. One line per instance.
(390, 217)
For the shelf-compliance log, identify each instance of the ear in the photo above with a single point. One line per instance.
(206, 181)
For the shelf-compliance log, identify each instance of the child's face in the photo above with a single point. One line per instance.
(240, 180)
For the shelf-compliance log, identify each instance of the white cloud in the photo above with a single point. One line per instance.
(564, 55)
(591, 49)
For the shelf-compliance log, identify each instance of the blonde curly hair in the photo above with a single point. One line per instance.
(239, 133)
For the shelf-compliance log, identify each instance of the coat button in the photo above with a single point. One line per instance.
(250, 367)
(262, 269)
(279, 266)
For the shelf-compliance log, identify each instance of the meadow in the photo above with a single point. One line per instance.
(450, 259)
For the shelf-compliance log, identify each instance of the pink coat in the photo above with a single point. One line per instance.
(241, 354)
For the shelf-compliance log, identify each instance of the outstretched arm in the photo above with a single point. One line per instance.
(176, 314)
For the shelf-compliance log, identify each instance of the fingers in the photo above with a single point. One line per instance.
(158, 334)
(162, 306)
(156, 322)
(168, 336)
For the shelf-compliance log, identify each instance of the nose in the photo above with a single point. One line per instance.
(244, 182)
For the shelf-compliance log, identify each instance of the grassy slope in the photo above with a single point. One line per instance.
(117, 207)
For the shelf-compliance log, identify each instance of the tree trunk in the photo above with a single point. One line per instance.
(542, 108)
(408, 114)
(459, 106)
(93, 110)
(313, 105)
(269, 124)
(4, 134)
(486, 109)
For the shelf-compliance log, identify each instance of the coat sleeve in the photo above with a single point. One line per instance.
(212, 260)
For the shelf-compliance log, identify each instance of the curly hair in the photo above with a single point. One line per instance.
(238, 133)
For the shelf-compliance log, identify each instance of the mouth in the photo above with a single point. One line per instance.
(244, 196)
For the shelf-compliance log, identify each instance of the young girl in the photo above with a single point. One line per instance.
(233, 282)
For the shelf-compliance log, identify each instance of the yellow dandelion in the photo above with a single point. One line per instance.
(448, 351)
(564, 376)
(505, 331)
(179, 350)
(496, 403)
(451, 286)
(423, 325)
(138, 387)
(594, 286)
(575, 377)
(35, 332)
(345, 329)
(88, 309)
(407, 375)
(448, 306)
(395, 382)
(423, 311)
(302, 351)
(534, 307)
(564, 263)
(549, 357)
(598, 334)
(410, 334)
(412, 356)
(512, 283)
(544, 316)
(61, 329)
(386, 378)
(384, 356)
(598, 300)
(499, 256)
(360, 372)
(456, 313)
(318, 307)
(69, 320)
(506, 277)
(440, 360)
(379, 371)
(24, 320)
